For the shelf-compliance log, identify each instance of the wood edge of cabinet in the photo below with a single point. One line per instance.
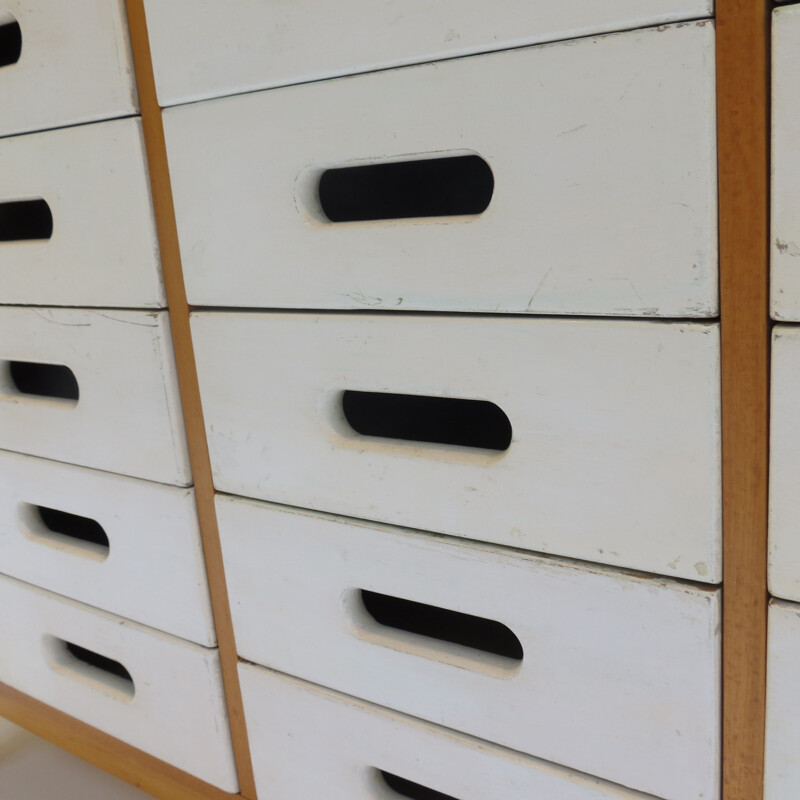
(743, 104)
(166, 227)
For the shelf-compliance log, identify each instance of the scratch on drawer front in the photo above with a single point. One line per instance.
(573, 130)
(153, 323)
(47, 316)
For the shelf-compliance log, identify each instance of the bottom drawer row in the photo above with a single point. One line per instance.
(151, 690)
(310, 743)
(607, 673)
(164, 695)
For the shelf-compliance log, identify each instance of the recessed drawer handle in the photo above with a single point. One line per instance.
(80, 535)
(406, 788)
(54, 381)
(427, 187)
(25, 220)
(433, 622)
(10, 39)
(421, 418)
(89, 667)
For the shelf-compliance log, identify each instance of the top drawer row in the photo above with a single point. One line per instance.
(62, 63)
(202, 51)
(569, 178)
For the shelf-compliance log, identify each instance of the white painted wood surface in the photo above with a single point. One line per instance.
(202, 50)
(785, 278)
(619, 677)
(177, 712)
(782, 768)
(75, 65)
(784, 502)
(128, 416)
(153, 570)
(603, 155)
(615, 448)
(103, 251)
(299, 751)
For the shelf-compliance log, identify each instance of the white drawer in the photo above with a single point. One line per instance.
(782, 768)
(127, 416)
(785, 278)
(127, 546)
(74, 64)
(614, 450)
(602, 153)
(292, 723)
(198, 52)
(171, 704)
(610, 674)
(784, 471)
(76, 220)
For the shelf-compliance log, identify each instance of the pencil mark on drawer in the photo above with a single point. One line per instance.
(413, 188)
(10, 39)
(89, 667)
(25, 220)
(476, 424)
(70, 533)
(55, 383)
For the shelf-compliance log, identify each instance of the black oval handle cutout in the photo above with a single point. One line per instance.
(415, 791)
(10, 40)
(427, 187)
(421, 418)
(25, 220)
(81, 662)
(62, 527)
(433, 622)
(43, 380)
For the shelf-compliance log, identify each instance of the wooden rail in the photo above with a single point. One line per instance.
(743, 152)
(161, 189)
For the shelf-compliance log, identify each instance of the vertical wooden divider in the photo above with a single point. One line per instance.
(161, 189)
(743, 151)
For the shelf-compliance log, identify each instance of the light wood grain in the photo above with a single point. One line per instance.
(742, 108)
(187, 378)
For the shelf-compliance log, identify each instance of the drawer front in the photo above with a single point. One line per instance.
(94, 389)
(64, 63)
(277, 43)
(609, 674)
(622, 123)
(153, 691)
(784, 504)
(782, 768)
(127, 546)
(614, 428)
(76, 220)
(785, 186)
(291, 723)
